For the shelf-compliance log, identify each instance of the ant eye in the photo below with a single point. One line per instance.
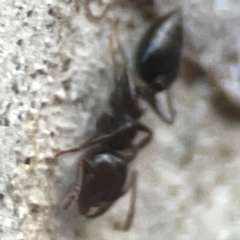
(158, 54)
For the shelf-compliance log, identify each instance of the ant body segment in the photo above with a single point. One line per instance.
(158, 59)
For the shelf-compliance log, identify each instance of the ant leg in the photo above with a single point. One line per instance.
(74, 191)
(131, 183)
(71, 150)
(110, 137)
(172, 109)
(149, 95)
(85, 144)
(144, 141)
(91, 15)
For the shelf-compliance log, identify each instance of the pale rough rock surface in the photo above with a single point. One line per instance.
(56, 76)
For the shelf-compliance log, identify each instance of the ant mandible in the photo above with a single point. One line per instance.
(102, 175)
(158, 58)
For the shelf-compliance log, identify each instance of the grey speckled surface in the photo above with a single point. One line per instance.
(56, 76)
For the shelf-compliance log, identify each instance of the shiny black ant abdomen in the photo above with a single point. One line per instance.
(158, 58)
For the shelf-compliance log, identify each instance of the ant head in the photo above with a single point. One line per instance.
(104, 178)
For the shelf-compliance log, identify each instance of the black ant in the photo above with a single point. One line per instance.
(102, 175)
(158, 58)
